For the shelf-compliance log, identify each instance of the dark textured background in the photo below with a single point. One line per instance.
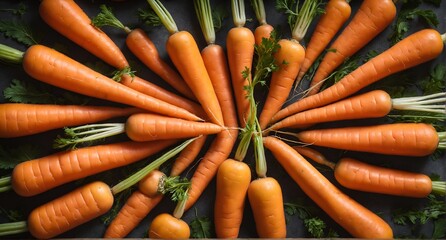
(184, 15)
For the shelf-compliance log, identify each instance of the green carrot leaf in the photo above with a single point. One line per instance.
(18, 31)
(10, 157)
(200, 227)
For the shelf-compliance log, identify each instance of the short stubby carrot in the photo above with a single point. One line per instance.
(359, 221)
(67, 18)
(409, 52)
(406, 139)
(55, 68)
(57, 216)
(371, 18)
(39, 175)
(335, 15)
(266, 200)
(20, 119)
(233, 178)
(166, 226)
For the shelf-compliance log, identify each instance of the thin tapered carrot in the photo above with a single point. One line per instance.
(185, 55)
(373, 104)
(187, 156)
(335, 15)
(264, 29)
(240, 49)
(19, 119)
(135, 209)
(67, 18)
(352, 216)
(409, 52)
(144, 49)
(233, 178)
(57, 169)
(406, 139)
(371, 18)
(221, 147)
(52, 67)
(354, 174)
(289, 57)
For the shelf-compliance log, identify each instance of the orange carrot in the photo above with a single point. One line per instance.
(185, 55)
(67, 166)
(406, 139)
(352, 216)
(354, 174)
(233, 178)
(335, 15)
(149, 185)
(371, 18)
(67, 18)
(373, 104)
(264, 29)
(220, 149)
(166, 226)
(140, 44)
(187, 156)
(407, 53)
(49, 66)
(19, 119)
(240, 49)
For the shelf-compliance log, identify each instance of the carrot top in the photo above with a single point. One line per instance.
(107, 18)
(238, 9)
(10, 55)
(164, 15)
(204, 14)
(259, 10)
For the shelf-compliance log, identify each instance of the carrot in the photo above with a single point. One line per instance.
(352, 216)
(357, 175)
(166, 226)
(265, 197)
(264, 29)
(54, 68)
(135, 209)
(19, 119)
(142, 46)
(233, 178)
(405, 139)
(335, 15)
(371, 18)
(289, 56)
(67, 18)
(240, 49)
(187, 156)
(409, 52)
(66, 166)
(216, 64)
(185, 55)
(373, 104)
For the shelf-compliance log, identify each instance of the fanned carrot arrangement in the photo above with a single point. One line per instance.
(241, 137)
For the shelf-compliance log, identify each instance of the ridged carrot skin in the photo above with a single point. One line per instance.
(145, 50)
(371, 19)
(46, 65)
(70, 210)
(335, 15)
(148, 127)
(187, 156)
(405, 139)
(135, 209)
(357, 175)
(409, 52)
(352, 216)
(20, 119)
(373, 104)
(67, 18)
(185, 55)
(265, 198)
(39, 175)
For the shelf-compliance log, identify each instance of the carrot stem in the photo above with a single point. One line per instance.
(136, 177)
(164, 16)
(107, 18)
(259, 9)
(439, 188)
(304, 18)
(443, 37)
(13, 228)
(204, 14)
(238, 9)
(179, 208)
(5, 184)
(442, 140)
(10, 55)
(422, 103)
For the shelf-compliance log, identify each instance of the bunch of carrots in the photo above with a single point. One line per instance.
(207, 114)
